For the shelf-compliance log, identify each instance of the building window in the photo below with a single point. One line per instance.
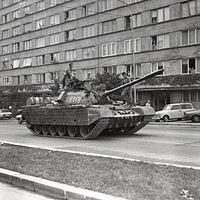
(157, 66)
(138, 70)
(70, 15)
(54, 20)
(27, 10)
(88, 52)
(160, 41)
(70, 55)
(70, 35)
(88, 31)
(137, 45)
(110, 70)
(6, 49)
(40, 5)
(136, 20)
(27, 45)
(27, 79)
(16, 64)
(189, 66)
(16, 80)
(6, 18)
(40, 60)
(40, 78)
(160, 15)
(54, 75)
(109, 49)
(55, 57)
(109, 26)
(6, 81)
(190, 36)
(27, 27)
(53, 3)
(88, 74)
(54, 39)
(88, 9)
(40, 24)
(190, 8)
(16, 14)
(6, 65)
(16, 30)
(5, 34)
(15, 47)
(40, 42)
(5, 3)
(27, 62)
(128, 22)
(15, 1)
(106, 5)
(128, 46)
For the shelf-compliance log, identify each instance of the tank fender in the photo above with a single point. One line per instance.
(144, 110)
(95, 113)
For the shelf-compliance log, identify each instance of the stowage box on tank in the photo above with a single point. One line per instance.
(76, 113)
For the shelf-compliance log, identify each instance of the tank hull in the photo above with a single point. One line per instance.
(82, 122)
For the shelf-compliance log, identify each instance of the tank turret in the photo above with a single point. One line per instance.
(80, 95)
(77, 113)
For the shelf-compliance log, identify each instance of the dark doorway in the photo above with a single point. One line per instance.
(160, 99)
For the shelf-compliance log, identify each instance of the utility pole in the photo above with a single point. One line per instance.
(134, 96)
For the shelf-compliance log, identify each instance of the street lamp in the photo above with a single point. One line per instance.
(133, 55)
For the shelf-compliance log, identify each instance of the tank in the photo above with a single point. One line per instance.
(77, 113)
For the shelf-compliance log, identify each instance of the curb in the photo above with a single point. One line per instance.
(50, 188)
(176, 124)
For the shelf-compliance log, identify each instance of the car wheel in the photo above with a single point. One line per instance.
(20, 121)
(196, 119)
(166, 118)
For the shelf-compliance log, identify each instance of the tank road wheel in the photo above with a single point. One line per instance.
(37, 129)
(53, 130)
(72, 131)
(45, 130)
(84, 131)
(61, 130)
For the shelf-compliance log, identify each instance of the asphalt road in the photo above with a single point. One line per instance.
(157, 143)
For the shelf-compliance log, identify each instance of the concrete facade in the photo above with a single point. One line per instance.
(38, 40)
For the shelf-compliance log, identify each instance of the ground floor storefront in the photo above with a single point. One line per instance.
(159, 98)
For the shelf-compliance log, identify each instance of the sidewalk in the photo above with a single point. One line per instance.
(50, 188)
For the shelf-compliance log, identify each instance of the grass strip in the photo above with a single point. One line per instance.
(128, 179)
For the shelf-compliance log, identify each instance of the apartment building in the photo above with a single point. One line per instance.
(39, 38)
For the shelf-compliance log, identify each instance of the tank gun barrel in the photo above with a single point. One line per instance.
(148, 76)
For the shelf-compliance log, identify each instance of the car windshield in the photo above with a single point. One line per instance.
(167, 107)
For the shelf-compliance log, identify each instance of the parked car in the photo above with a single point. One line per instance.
(173, 111)
(5, 114)
(193, 115)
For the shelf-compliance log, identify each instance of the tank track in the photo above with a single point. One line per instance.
(95, 131)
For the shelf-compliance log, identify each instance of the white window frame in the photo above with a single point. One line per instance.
(16, 64)
(188, 67)
(188, 37)
(110, 49)
(6, 80)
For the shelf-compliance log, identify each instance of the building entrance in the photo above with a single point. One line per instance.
(160, 99)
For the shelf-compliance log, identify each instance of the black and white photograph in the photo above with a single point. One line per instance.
(99, 99)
